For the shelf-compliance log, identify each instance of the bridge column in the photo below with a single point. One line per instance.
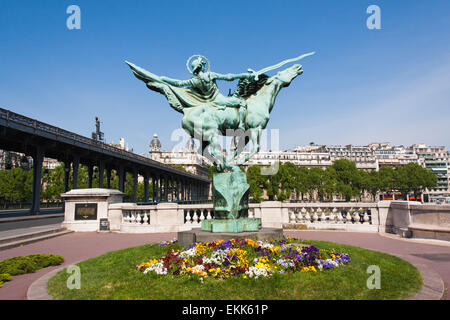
(38, 158)
(76, 165)
(154, 188)
(66, 175)
(90, 175)
(135, 185)
(182, 190)
(121, 178)
(108, 178)
(161, 187)
(146, 187)
(166, 189)
(101, 169)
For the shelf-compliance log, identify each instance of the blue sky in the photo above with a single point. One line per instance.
(361, 86)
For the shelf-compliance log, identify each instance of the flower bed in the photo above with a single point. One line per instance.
(243, 258)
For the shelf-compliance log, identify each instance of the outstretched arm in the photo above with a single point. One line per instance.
(175, 82)
(230, 76)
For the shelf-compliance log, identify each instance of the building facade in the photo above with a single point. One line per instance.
(188, 158)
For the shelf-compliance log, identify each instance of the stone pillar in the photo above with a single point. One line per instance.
(38, 158)
(85, 207)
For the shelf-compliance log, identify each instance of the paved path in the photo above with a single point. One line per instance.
(80, 246)
(73, 247)
(434, 254)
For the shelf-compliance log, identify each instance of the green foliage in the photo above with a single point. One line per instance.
(4, 277)
(28, 264)
(341, 179)
(16, 185)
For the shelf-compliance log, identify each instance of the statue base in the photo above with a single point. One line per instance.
(187, 238)
(230, 194)
(232, 225)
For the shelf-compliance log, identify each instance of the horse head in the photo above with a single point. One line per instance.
(286, 76)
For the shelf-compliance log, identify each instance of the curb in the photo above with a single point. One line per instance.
(33, 237)
(38, 289)
(25, 218)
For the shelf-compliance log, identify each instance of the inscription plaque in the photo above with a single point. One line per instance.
(85, 211)
(104, 224)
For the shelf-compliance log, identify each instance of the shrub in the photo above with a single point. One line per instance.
(4, 277)
(28, 264)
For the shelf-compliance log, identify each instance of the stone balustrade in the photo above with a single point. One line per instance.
(405, 218)
(351, 216)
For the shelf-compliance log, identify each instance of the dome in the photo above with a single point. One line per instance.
(155, 144)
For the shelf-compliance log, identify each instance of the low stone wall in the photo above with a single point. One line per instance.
(405, 218)
(430, 221)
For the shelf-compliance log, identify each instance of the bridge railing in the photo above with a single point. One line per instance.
(38, 125)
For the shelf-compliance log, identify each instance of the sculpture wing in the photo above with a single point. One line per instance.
(248, 87)
(142, 74)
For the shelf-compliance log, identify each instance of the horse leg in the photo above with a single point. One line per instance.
(215, 150)
(239, 146)
(255, 135)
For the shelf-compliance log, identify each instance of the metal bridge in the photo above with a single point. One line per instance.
(38, 140)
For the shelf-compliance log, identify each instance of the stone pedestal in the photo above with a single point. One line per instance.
(230, 194)
(231, 225)
(186, 238)
(85, 207)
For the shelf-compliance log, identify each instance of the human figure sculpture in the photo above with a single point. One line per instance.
(208, 113)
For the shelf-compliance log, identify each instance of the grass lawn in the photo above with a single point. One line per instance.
(113, 276)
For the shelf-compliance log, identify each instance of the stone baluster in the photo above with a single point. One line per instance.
(355, 217)
(138, 217)
(292, 217)
(366, 218)
(315, 217)
(307, 217)
(340, 218)
(195, 217)
(323, 217)
(202, 216)
(298, 217)
(146, 218)
(125, 217)
(208, 216)
(303, 214)
(348, 217)
(332, 216)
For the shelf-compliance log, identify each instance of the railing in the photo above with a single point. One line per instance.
(335, 215)
(162, 217)
(32, 123)
(27, 205)
(194, 214)
(345, 213)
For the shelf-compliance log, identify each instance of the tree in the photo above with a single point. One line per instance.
(256, 182)
(348, 179)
